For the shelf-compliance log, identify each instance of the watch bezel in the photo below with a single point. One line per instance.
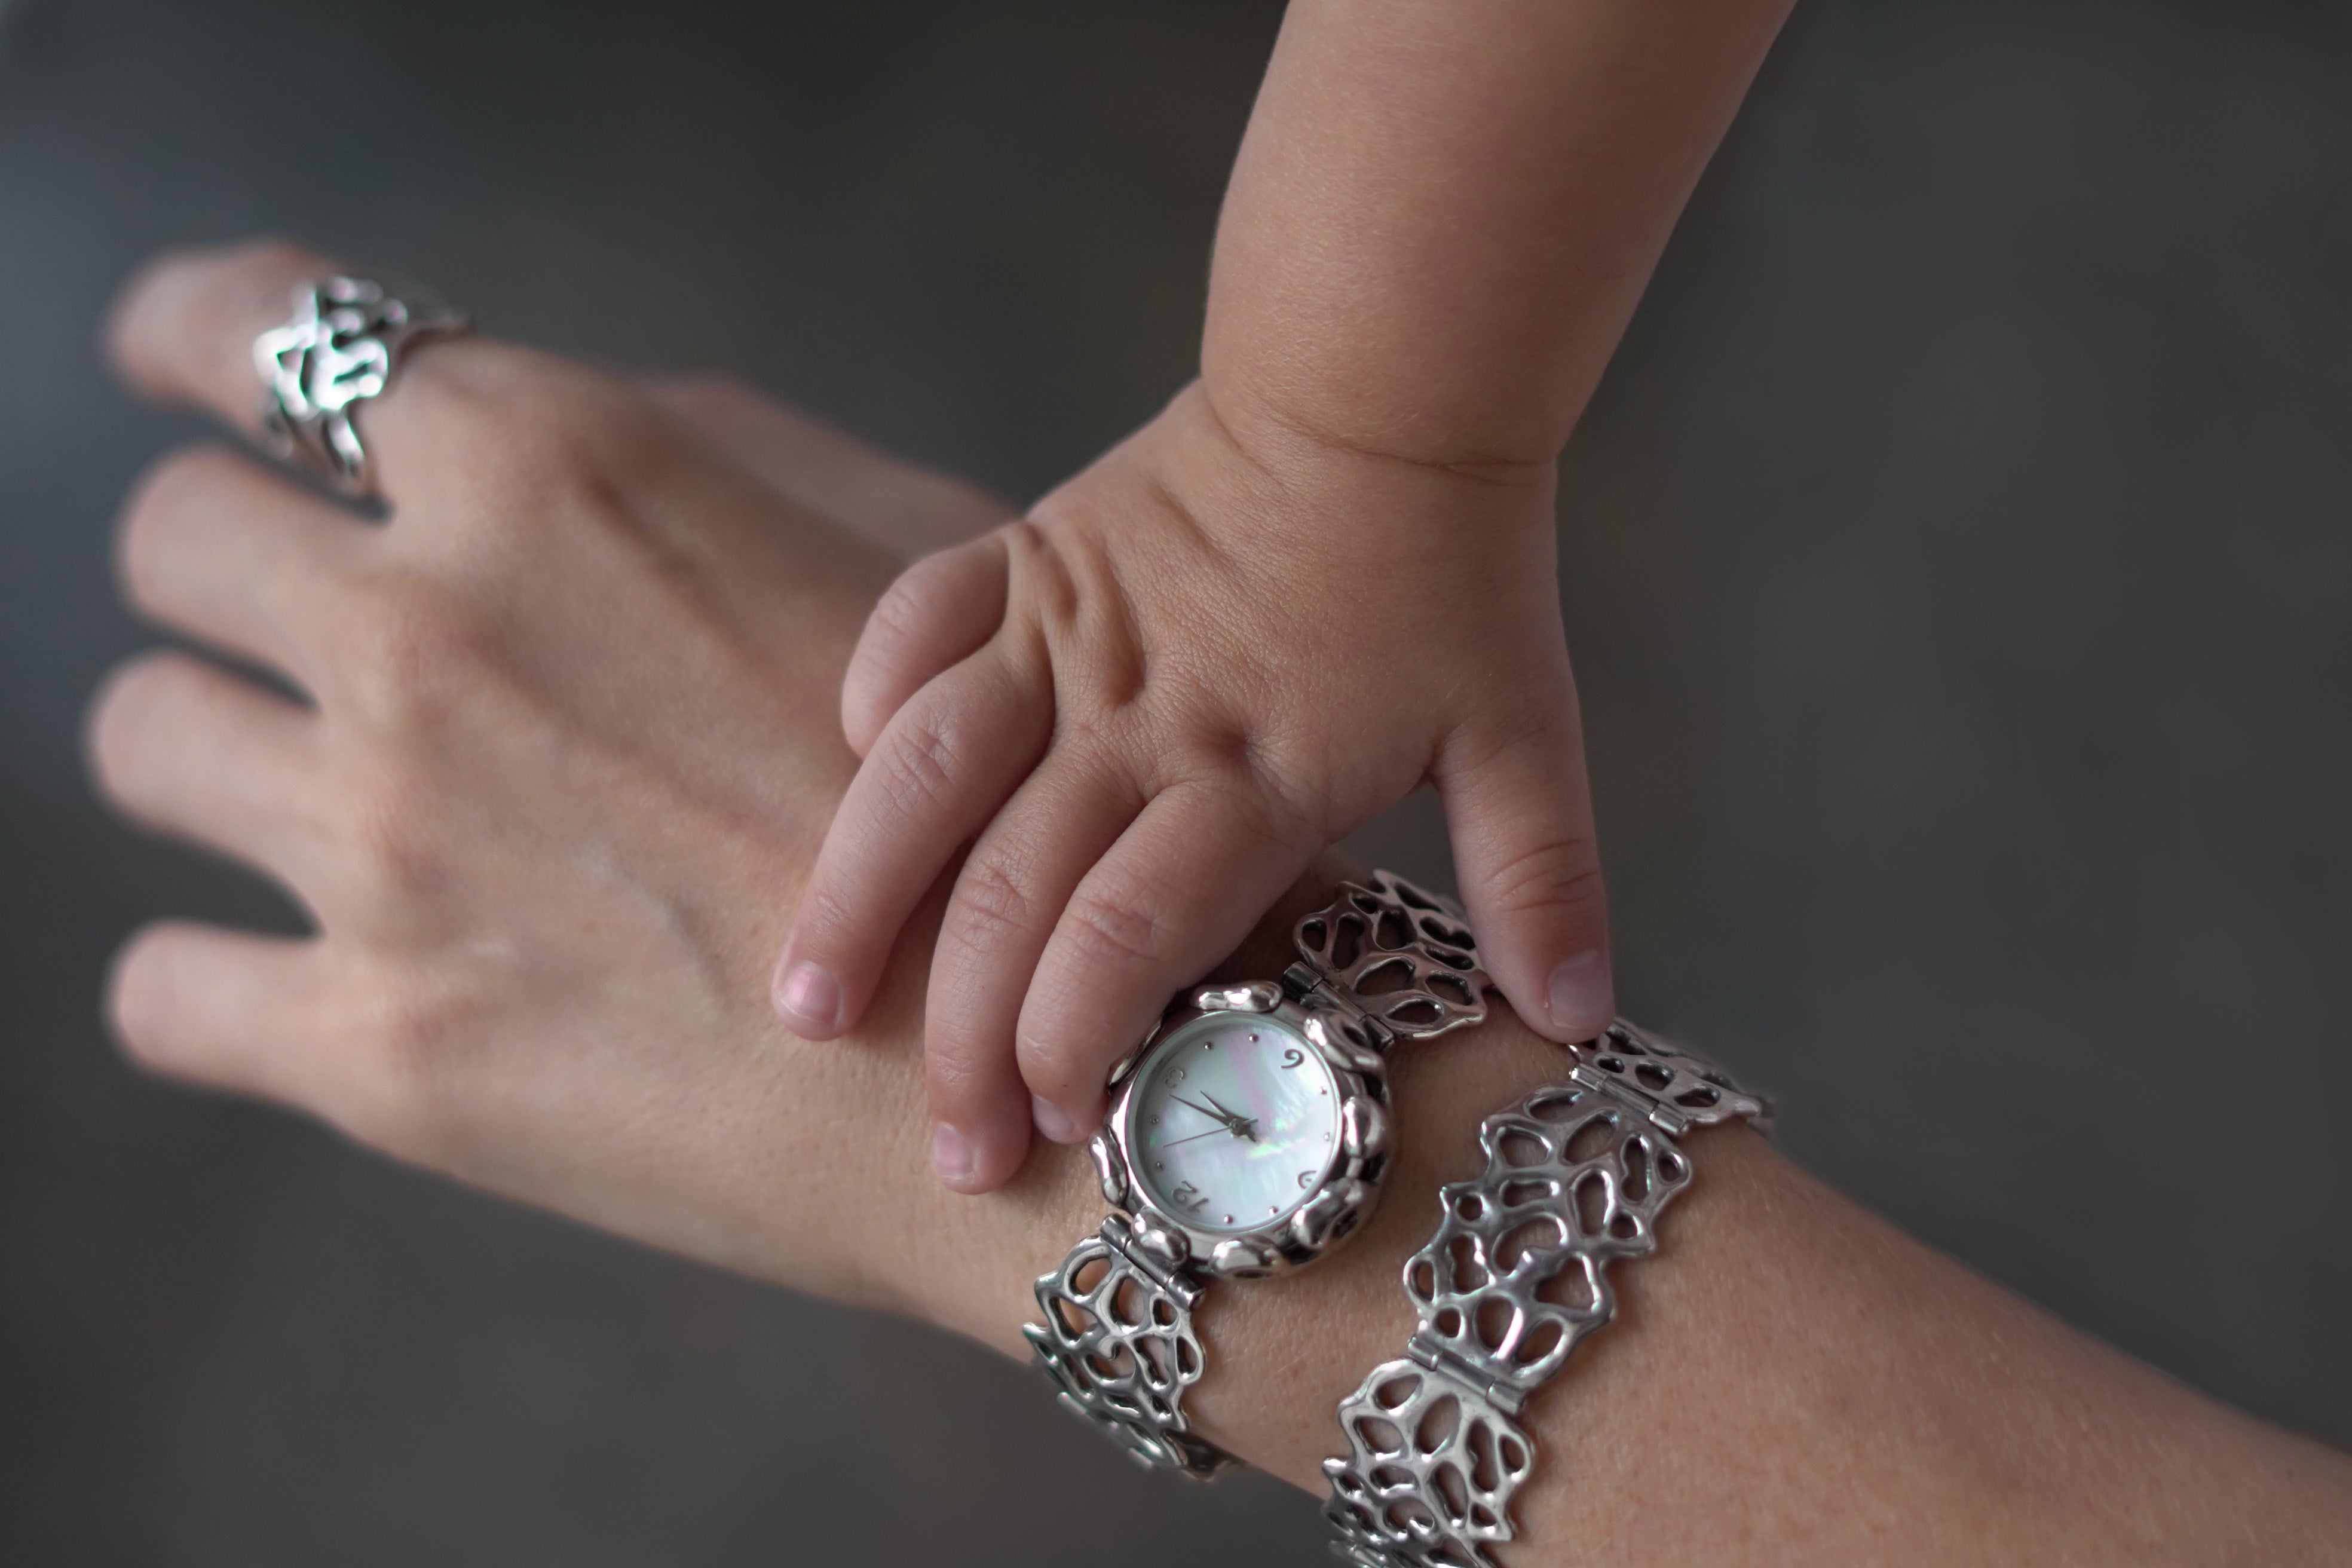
(1341, 1202)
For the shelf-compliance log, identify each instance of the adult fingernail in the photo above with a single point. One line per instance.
(1581, 1000)
(1051, 1121)
(809, 998)
(952, 1155)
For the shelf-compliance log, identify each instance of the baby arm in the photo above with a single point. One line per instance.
(1325, 575)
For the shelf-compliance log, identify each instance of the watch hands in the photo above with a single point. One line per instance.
(1212, 1132)
(1239, 1126)
(1243, 1126)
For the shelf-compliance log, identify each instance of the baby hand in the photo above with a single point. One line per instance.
(1147, 706)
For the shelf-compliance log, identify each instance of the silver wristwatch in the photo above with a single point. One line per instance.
(1248, 1135)
(1516, 1276)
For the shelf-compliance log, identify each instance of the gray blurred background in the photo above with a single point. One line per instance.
(1956, 563)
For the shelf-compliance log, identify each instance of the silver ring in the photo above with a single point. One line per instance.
(340, 348)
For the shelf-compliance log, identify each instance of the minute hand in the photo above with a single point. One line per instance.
(1226, 1117)
(1243, 1126)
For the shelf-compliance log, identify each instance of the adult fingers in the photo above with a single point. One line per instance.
(1176, 895)
(937, 613)
(212, 546)
(1520, 815)
(941, 770)
(193, 750)
(907, 509)
(1008, 898)
(183, 329)
(224, 1008)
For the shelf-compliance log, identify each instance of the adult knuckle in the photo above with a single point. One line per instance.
(407, 645)
(532, 423)
(410, 1042)
(398, 851)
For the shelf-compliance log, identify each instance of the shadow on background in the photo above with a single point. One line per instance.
(1956, 564)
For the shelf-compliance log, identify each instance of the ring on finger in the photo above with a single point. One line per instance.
(341, 346)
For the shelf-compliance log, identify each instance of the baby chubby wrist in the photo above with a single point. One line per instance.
(1251, 475)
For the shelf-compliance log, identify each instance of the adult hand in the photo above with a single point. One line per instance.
(571, 723)
(571, 720)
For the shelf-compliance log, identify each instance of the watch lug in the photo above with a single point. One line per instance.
(1110, 1169)
(1161, 1244)
(1255, 997)
(1240, 1259)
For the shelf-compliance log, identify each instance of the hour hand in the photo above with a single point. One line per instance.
(1243, 1126)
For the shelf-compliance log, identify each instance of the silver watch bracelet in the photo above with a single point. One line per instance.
(1517, 1275)
(1384, 962)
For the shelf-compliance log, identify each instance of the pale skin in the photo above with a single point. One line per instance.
(572, 725)
(1322, 577)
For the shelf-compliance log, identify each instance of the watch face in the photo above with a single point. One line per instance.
(1234, 1122)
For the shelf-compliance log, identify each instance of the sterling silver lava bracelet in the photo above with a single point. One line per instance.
(1517, 1275)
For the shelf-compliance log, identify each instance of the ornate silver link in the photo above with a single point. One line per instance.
(1398, 953)
(1382, 962)
(1117, 1341)
(340, 348)
(1517, 1275)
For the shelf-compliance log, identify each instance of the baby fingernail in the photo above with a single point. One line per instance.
(1581, 1000)
(953, 1156)
(809, 997)
(1051, 1121)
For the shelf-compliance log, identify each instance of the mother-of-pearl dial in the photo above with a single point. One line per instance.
(1233, 1124)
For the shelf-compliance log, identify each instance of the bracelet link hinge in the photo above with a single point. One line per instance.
(1441, 1361)
(1303, 980)
(1134, 1249)
(1666, 1118)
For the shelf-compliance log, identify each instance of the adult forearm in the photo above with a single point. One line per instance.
(571, 748)
(1789, 1379)
(1443, 215)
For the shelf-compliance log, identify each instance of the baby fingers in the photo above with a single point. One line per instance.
(1520, 815)
(1173, 897)
(937, 612)
(937, 773)
(1008, 898)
